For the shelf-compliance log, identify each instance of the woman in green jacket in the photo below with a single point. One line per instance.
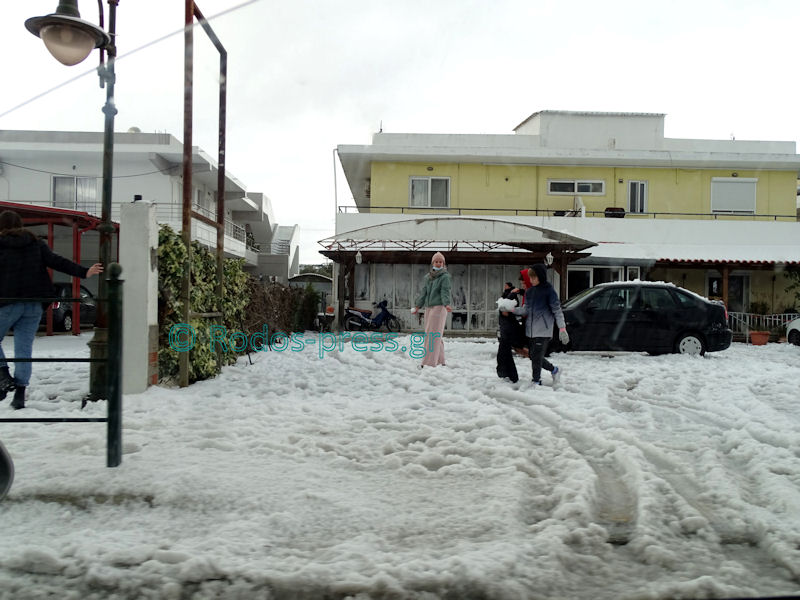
(435, 297)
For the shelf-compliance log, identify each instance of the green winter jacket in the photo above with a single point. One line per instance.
(436, 291)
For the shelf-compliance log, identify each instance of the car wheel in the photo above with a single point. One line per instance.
(690, 343)
(794, 337)
(66, 324)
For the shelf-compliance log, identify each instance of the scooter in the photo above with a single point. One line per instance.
(360, 319)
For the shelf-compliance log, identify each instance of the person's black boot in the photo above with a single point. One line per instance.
(6, 382)
(19, 398)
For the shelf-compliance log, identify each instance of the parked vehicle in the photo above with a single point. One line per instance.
(62, 311)
(793, 332)
(357, 319)
(641, 316)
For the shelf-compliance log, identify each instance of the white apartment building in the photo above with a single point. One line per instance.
(63, 169)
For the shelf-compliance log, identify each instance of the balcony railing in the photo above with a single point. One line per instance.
(164, 212)
(548, 212)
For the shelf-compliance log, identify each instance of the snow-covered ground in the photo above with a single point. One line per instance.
(358, 475)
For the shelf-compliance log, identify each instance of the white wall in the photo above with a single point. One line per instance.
(139, 260)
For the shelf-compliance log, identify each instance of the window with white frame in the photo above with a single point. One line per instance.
(736, 195)
(75, 193)
(637, 196)
(433, 192)
(576, 186)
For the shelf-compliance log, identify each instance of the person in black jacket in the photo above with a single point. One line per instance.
(24, 260)
(512, 334)
(509, 329)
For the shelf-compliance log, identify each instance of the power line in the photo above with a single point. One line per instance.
(134, 51)
(3, 162)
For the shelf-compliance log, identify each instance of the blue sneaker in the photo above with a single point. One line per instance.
(556, 375)
(534, 382)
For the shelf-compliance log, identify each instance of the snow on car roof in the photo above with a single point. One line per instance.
(654, 284)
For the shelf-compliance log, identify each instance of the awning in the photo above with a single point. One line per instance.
(32, 215)
(456, 233)
(702, 253)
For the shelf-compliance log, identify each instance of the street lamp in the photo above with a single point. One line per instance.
(70, 40)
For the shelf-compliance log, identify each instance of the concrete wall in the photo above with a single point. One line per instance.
(139, 260)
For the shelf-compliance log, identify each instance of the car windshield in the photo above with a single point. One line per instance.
(579, 297)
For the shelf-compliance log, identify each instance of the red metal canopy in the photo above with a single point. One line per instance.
(79, 222)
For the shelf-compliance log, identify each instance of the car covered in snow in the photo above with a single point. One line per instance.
(643, 316)
(793, 332)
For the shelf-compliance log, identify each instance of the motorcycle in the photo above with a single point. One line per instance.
(360, 319)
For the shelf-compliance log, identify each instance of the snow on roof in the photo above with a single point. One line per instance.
(703, 253)
(754, 242)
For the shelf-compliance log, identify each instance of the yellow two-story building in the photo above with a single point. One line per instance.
(602, 196)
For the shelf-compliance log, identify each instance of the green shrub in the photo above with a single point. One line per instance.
(306, 309)
(235, 297)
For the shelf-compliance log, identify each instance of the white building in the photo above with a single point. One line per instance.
(64, 169)
(604, 196)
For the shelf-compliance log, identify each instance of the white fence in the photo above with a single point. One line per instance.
(743, 323)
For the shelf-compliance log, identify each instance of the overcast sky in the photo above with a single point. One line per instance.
(305, 76)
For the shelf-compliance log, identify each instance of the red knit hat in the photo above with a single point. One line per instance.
(526, 278)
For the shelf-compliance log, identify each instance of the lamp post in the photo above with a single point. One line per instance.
(70, 40)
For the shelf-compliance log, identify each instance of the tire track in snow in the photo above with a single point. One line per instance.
(616, 504)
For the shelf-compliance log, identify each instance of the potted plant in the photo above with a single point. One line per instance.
(759, 338)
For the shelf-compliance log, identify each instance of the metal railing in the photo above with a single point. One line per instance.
(113, 383)
(743, 323)
(233, 230)
(164, 212)
(550, 212)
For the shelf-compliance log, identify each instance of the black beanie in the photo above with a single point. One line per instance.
(541, 272)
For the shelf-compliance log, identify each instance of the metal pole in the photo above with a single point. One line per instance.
(114, 370)
(223, 87)
(98, 344)
(186, 232)
(335, 191)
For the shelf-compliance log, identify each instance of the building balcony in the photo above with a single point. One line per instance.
(609, 212)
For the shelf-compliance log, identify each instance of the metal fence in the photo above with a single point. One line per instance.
(112, 384)
(743, 323)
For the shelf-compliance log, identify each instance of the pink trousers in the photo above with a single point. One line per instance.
(435, 317)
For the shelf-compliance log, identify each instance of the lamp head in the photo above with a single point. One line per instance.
(67, 37)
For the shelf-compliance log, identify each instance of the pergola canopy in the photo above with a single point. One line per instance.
(463, 235)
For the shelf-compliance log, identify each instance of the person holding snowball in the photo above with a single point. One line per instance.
(511, 332)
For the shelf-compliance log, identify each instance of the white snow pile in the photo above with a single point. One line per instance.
(356, 475)
(506, 304)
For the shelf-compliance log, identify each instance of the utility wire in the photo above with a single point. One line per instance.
(3, 162)
(134, 51)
